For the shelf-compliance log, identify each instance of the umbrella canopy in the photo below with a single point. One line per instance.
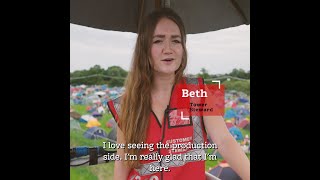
(123, 15)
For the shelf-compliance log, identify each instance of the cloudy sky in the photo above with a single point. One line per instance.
(218, 51)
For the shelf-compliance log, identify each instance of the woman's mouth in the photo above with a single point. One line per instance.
(167, 59)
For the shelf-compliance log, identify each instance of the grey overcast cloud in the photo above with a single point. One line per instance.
(218, 51)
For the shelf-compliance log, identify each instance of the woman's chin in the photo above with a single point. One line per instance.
(165, 72)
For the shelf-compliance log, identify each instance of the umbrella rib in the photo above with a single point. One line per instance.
(141, 13)
(239, 11)
(157, 4)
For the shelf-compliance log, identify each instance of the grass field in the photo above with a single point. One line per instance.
(104, 171)
(94, 172)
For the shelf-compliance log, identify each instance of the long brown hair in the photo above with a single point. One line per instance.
(136, 101)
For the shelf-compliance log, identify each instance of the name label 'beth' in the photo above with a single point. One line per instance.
(197, 93)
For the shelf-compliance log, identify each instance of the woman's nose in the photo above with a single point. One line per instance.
(167, 47)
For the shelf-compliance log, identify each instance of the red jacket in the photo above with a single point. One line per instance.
(172, 131)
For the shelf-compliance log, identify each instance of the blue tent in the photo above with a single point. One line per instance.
(103, 87)
(77, 101)
(242, 111)
(95, 133)
(243, 100)
(230, 114)
(236, 133)
(104, 102)
(96, 114)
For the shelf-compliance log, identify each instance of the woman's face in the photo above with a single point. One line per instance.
(166, 48)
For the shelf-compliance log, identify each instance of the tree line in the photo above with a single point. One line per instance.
(237, 79)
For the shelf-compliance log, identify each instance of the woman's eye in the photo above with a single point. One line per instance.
(157, 41)
(176, 41)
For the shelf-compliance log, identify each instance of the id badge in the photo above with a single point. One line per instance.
(179, 117)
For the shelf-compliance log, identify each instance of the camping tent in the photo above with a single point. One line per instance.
(247, 127)
(243, 123)
(229, 124)
(74, 124)
(111, 123)
(236, 133)
(243, 100)
(230, 114)
(85, 118)
(113, 134)
(101, 109)
(92, 123)
(242, 111)
(95, 133)
(96, 114)
(75, 115)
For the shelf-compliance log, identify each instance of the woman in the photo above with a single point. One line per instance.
(144, 112)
